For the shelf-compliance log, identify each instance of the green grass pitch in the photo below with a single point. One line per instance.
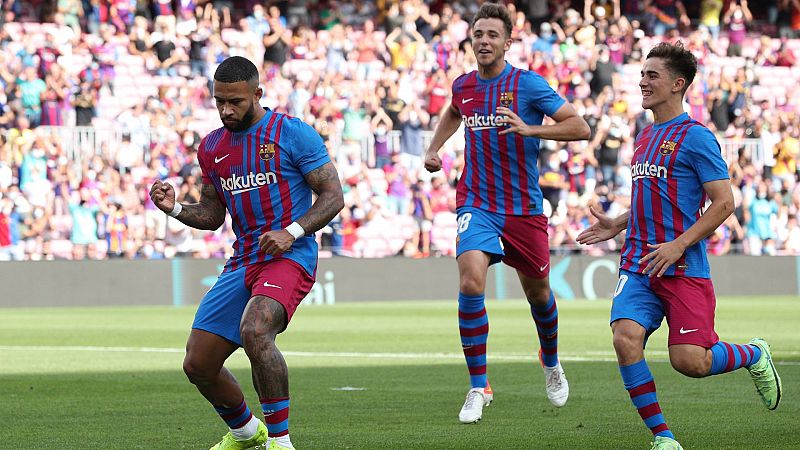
(111, 378)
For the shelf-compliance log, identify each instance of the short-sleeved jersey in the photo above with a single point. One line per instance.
(259, 174)
(671, 162)
(500, 172)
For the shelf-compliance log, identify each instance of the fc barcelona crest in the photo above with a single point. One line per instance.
(266, 151)
(667, 147)
(506, 98)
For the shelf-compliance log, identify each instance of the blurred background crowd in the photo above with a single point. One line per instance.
(99, 98)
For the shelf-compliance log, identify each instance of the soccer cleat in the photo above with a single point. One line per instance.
(764, 375)
(556, 386)
(228, 442)
(665, 443)
(472, 410)
(273, 445)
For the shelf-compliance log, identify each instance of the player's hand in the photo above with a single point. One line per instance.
(514, 124)
(433, 162)
(276, 242)
(163, 196)
(661, 257)
(600, 231)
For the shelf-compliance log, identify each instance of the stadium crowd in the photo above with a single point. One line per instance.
(371, 77)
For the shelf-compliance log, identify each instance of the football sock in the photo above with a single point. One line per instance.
(276, 415)
(546, 319)
(237, 417)
(247, 431)
(728, 357)
(642, 389)
(473, 324)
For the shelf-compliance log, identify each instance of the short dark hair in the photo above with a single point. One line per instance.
(495, 11)
(680, 61)
(235, 69)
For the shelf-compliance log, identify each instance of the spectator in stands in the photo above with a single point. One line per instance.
(422, 213)
(736, 19)
(760, 212)
(84, 101)
(165, 50)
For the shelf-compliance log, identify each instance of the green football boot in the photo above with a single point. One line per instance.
(229, 443)
(765, 377)
(665, 443)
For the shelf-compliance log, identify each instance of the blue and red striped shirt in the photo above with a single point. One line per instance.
(259, 174)
(500, 172)
(670, 164)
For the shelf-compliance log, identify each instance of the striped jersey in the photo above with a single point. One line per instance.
(670, 164)
(258, 174)
(500, 172)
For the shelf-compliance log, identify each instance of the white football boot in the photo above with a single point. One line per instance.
(472, 410)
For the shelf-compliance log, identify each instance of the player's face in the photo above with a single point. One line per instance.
(236, 103)
(658, 84)
(489, 41)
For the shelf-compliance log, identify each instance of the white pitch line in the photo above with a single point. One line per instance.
(589, 356)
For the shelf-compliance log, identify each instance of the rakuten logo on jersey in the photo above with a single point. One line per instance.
(647, 170)
(236, 184)
(478, 122)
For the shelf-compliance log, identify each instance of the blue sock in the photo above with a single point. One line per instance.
(235, 417)
(276, 415)
(642, 390)
(473, 325)
(546, 319)
(729, 357)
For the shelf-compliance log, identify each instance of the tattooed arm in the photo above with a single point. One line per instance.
(207, 214)
(324, 181)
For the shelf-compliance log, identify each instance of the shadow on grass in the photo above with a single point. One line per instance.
(408, 406)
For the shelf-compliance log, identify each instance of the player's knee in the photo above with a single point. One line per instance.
(471, 286)
(197, 373)
(626, 343)
(691, 367)
(255, 335)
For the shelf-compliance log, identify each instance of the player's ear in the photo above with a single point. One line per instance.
(259, 93)
(679, 84)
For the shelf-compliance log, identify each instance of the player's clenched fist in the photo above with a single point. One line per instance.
(163, 195)
(432, 161)
(276, 242)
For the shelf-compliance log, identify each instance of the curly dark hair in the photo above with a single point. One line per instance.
(679, 61)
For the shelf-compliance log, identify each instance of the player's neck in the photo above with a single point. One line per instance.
(667, 111)
(260, 112)
(493, 70)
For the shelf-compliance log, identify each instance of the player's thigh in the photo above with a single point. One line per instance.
(527, 246)
(220, 310)
(479, 230)
(635, 300)
(689, 305)
(282, 281)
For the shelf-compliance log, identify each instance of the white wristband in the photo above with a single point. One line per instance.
(176, 210)
(296, 230)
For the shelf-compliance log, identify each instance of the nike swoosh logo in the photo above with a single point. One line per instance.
(217, 160)
(243, 190)
(266, 284)
(466, 100)
(541, 269)
(637, 149)
(682, 331)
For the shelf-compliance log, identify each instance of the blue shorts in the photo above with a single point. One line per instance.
(519, 241)
(281, 279)
(688, 303)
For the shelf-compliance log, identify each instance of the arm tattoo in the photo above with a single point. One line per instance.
(324, 181)
(208, 214)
